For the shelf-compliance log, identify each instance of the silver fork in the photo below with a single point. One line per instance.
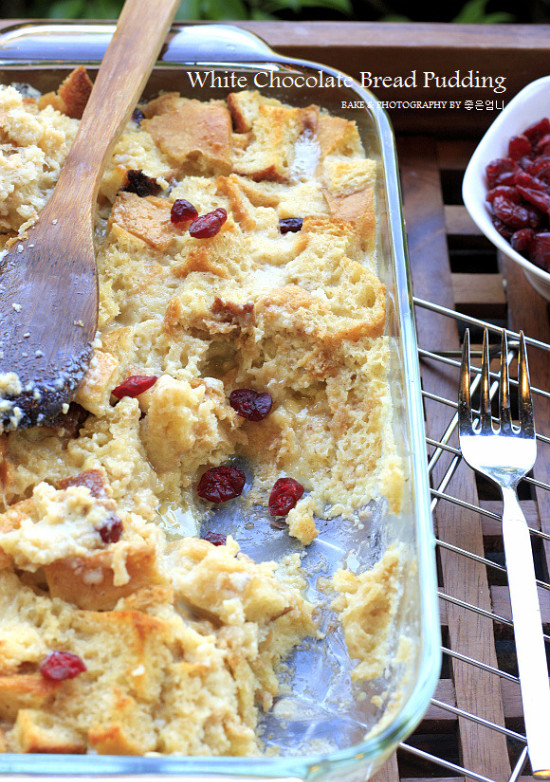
(505, 456)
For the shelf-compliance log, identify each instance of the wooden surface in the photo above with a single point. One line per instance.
(453, 265)
(469, 633)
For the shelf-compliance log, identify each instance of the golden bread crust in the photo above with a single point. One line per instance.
(72, 95)
(146, 218)
(192, 133)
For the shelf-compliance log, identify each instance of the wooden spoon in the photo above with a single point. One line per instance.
(48, 282)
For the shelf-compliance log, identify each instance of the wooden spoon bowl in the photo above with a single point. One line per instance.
(48, 280)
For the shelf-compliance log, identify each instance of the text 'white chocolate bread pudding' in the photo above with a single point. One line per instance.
(241, 322)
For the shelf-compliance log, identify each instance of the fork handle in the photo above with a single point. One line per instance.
(533, 668)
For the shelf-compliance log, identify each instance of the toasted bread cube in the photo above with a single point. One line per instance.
(24, 691)
(88, 582)
(273, 131)
(95, 389)
(55, 524)
(357, 209)
(168, 101)
(244, 107)
(271, 153)
(147, 218)
(192, 135)
(337, 135)
(113, 739)
(241, 208)
(72, 95)
(11, 520)
(344, 176)
(36, 731)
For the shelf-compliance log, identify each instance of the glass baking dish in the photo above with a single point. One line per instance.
(333, 730)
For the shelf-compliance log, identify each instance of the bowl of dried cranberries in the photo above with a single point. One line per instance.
(506, 187)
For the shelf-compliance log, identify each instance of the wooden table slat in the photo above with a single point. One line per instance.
(476, 691)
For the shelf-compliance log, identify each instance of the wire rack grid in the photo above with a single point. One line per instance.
(474, 727)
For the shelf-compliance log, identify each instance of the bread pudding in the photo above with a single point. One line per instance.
(241, 322)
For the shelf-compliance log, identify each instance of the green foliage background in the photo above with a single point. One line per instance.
(469, 12)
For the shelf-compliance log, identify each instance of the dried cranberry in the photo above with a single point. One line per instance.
(519, 193)
(221, 212)
(524, 162)
(536, 218)
(540, 250)
(138, 115)
(536, 197)
(284, 495)
(522, 240)
(511, 214)
(511, 193)
(208, 225)
(525, 179)
(541, 168)
(292, 224)
(249, 404)
(501, 172)
(140, 184)
(518, 146)
(536, 131)
(504, 230)
(216, 538)
(220, 484)
(58, 666)
(111, 530)
(182, 211)
(134, 385)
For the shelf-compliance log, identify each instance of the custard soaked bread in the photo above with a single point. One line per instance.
(241, 316)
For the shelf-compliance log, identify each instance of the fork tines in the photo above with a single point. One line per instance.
(483, 380)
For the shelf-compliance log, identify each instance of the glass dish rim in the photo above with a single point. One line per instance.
(380, 745)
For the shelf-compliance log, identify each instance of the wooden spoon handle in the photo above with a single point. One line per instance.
(120, 81)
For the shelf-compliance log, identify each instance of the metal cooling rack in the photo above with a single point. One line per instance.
(433, 745)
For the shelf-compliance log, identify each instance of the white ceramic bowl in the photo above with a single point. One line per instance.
(528, 106)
